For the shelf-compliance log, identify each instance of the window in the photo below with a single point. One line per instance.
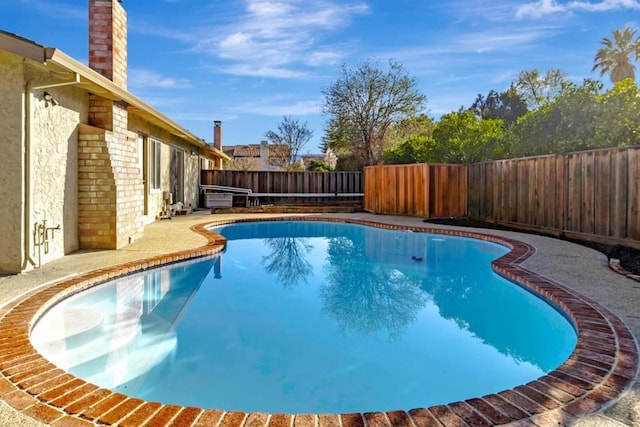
(155, 149)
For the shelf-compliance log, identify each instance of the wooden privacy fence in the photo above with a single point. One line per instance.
(427, 190)
(290, 185)
(591, 195)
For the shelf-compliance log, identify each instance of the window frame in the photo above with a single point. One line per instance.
(155, 165)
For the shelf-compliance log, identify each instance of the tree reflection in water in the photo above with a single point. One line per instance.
(288, 260)
(365, 297)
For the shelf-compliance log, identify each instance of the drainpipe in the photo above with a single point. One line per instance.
(26, 147)
(26, 152)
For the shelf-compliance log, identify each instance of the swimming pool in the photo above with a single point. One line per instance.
(296, 304)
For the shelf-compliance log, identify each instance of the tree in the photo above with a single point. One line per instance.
(416, 149)
(248, 164)
(537, 90)
(615, 57)
(291, 134)
(618, 119)
(507, 106)
(461, 137)
(416, 126)
(565, 124)
(366, 101)
(318, 166)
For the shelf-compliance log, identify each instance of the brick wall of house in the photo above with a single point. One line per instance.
(110, 190)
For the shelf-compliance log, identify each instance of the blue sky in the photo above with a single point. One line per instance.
(250, 62)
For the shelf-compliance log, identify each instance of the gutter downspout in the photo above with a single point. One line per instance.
(26, 152)
(27, 166)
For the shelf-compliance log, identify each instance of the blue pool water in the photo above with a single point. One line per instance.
(312, 317)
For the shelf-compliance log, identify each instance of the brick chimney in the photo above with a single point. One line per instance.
(108, 40)
(110, 185)
(217, 134)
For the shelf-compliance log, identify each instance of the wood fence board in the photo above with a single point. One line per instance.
(492, 210)
(499, 211)
(587, 178)
(452, 194)
(633, 218)
(473, 195)
(518, 188)
(426, 194)
(540, 200)
(531, 169)
(574, 199)
(547, 192)
(511, 194)
(602, 192)
(402, 192)
(619, 191)
(444, 190)
(464, 188)
(562, 166)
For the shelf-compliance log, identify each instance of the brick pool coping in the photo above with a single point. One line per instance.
(601, 367)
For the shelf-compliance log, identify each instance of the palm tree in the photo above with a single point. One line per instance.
(616, 56)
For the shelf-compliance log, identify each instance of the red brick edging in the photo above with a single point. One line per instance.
(614, 264)
(601, 367)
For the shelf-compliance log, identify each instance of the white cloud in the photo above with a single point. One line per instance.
(257, 70)
(274, 37)
(279, 105)
(604, 5)
(541, 8)
(139, 79)
(280, 39)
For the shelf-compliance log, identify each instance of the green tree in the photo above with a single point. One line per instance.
(416, 149)
(536, 89)
(616, 55)
(507, 106)
(291, 134)
(338, 135)
(318, 166)
(461, 137)
(618, 120)
(564, 124)
(365, 102)
(416, 126)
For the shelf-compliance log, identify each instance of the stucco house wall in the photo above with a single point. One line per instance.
(11, 141)
(54, 167)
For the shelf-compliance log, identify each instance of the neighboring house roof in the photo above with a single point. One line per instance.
(76, 73)
(253, 150)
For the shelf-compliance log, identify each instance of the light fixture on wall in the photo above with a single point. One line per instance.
(194, 154)
(49, 99)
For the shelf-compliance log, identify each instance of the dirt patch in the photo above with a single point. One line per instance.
(629, 257)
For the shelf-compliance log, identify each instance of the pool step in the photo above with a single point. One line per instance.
(68, 347)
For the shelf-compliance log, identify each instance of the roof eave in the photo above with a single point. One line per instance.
(104, 87)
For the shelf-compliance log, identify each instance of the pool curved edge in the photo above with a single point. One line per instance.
(601, 367)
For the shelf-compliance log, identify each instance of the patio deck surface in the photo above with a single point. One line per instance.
(597, 386)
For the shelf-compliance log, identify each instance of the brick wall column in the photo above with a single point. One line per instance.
(96, 190)
(111, 192)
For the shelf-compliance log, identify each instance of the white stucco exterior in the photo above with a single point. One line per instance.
(54, 168)
(11, 176)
